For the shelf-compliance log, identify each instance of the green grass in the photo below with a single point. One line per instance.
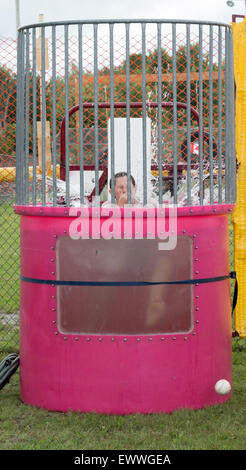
(9, 338)
(216, 427)
(9, 259)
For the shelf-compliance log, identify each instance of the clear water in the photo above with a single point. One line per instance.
(182, 192)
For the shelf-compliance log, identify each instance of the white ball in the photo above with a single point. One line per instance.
(222, 387)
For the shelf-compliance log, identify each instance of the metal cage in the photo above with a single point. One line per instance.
(75, 77)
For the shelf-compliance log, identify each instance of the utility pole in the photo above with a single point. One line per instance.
(17, 14)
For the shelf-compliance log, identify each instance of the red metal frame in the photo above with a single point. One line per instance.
(234, 18)
(117, 105)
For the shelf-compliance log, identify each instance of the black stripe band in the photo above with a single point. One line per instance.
(124, 283)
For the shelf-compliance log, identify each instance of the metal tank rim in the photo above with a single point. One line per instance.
(64, 211)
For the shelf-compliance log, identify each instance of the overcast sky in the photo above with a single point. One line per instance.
(58, 10)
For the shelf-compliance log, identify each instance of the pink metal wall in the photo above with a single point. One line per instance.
(123, 374)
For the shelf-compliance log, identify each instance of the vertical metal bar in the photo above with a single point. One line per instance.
(227, 123)
(175, 136)
(20, 120)
(232, 166)
(43, 114)
(95, 26)
(128, 128)
(81, 113)
(111, 45)
(159, 100)
(211, 114)
(54, 113)
(144, 113)
(27, 115)
(67, 117)
(188, 115)
(24, 120)
(34, 118)
(200, 114)
(220, 116)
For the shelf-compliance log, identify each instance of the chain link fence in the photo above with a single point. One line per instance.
(9, 222)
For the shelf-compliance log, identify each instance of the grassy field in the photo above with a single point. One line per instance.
(217, 427)
(9, 259)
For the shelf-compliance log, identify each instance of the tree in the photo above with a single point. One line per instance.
(7, 97)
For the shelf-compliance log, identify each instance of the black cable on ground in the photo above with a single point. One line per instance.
(8, 367)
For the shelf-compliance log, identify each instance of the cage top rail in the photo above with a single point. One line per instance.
(123, 21)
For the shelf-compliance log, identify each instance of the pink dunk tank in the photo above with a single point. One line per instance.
(124, 325)
(127, 309)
